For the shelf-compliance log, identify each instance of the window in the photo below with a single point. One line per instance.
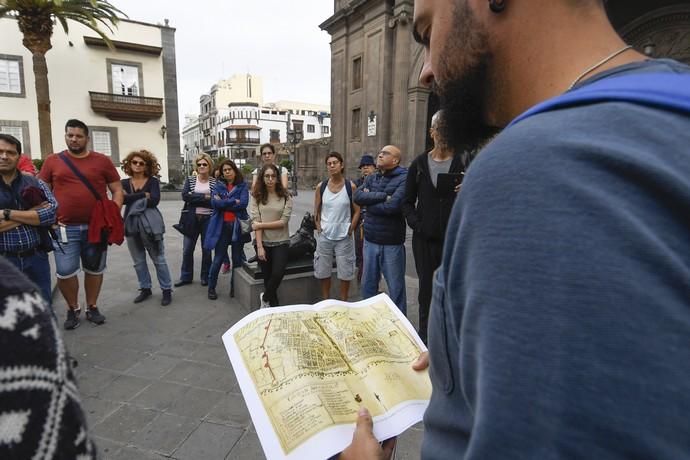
(11, 76)
(325, 130)
(102, 143)
(125, 78)
(274, 136)
(15, 131)
(104, 140)
(311, 129)
(18, 129)
(356, 124)
(298, 125)
(357, 73)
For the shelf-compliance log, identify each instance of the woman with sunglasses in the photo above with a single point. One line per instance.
(268, 157)
(270, 210)
(196, 194)
(142, 195)
(229, 200)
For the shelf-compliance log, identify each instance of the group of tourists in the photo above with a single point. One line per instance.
(222, 210)
(360, 224)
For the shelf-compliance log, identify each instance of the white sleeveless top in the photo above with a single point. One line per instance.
(335, 214)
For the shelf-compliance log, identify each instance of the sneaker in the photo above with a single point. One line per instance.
(167, 297)
(225, 269)
(144, 294)
(263, 303)
(72, 321)
(95, 316)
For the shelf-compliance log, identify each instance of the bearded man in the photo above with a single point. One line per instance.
(559, 321)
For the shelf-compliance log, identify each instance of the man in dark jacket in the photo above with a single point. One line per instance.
(427, 206)
(384, 229)
(27, 209)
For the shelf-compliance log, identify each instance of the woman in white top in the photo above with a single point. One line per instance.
(196, 194)
(270, 210)
(268, 157)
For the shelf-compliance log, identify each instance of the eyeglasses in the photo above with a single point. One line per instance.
(269, 177)
(202, 165)
(138, 163)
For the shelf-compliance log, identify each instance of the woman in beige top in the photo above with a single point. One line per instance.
(270, 209)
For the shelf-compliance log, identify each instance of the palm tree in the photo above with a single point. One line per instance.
(36, 19)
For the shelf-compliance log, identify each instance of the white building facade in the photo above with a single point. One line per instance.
(191, 142)
(127, 97)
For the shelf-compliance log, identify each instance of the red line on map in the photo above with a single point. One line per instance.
(266, 334)
(267, 365)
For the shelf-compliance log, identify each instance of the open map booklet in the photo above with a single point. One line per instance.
(305, 370)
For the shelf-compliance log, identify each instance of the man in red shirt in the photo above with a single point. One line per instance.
(75, 203)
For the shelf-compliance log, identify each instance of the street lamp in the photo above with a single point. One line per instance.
(294, 137)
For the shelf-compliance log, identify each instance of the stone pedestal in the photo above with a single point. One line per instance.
(298, 286)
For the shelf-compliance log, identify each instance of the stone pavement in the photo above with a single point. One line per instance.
(156, 381)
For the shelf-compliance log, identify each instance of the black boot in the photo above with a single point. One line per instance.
(167, 297)
(212, 294)
(143, 295)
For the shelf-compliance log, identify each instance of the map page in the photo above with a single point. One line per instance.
(305, 370)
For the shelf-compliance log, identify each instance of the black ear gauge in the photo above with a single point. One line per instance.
(497, 5)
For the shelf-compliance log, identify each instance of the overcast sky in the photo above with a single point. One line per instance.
(279, 40)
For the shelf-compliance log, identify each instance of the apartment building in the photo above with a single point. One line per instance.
(127, 96)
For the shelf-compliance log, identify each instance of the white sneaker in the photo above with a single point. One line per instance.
(262, 302)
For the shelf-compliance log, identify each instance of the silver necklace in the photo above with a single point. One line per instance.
(599, 64)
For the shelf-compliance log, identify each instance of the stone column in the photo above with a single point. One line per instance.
(401, 23)
(172, 117)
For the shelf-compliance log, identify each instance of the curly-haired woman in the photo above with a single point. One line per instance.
(142, 195)
(270, 209)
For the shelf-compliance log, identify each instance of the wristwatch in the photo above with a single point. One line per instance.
(6, 214)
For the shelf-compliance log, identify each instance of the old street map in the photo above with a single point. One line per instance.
(310, 368)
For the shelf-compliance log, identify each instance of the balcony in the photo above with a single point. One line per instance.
(119, 107)
(242, 140)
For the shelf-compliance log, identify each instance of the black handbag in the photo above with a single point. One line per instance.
(187, 224)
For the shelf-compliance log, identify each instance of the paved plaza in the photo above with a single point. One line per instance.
(156, 381)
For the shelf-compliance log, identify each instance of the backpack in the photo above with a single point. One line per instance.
(667, 91)
(348, 189)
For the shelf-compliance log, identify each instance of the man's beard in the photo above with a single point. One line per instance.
(462, 92)
(76, 150)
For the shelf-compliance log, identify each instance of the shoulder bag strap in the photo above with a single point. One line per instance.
(79, 175)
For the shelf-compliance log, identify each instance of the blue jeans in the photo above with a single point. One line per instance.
(220, 254)
(138, 253)
(388, 260)
(37, 269)
(188, 245)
